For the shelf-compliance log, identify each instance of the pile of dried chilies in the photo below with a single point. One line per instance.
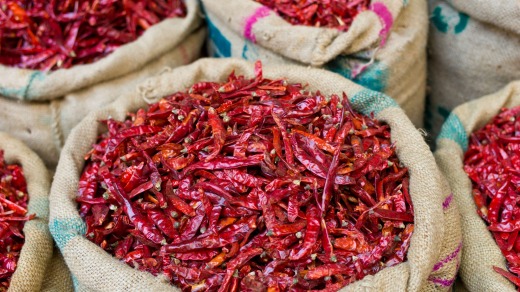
(254, 184)
(337, 14)
(13, 214)
(492, 162)
(48, 35)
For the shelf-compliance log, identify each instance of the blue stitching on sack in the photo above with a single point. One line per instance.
(453, 129)
(63, 230)
(368, 101)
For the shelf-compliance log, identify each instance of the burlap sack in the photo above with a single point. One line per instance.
(384, 50)
(57, 277)
(480, 251)
(41, 108)
(37, 250)
(436, 242)
(473, 47)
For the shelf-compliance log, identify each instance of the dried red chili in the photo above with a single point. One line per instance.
(250, 183)
(13, 214)
(337, 14)
(43, 35)
(492, 162)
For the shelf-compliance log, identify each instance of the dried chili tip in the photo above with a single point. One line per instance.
(514, 279)
(14, 218)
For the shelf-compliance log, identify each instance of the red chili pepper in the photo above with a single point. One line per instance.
(140, 222)
(328, 270)
(311, 235)
(138, 190)
(226, 163)
(393, 215)
(289, 157)
(507, 275)
(257, 193)
(193, 226)
(13, 206)
(236, 263)
(164, 223)
(46, 36)
(219, 133)
(330, 180)
(178, 203)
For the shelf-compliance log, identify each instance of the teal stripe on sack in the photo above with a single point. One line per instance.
(453, 130)
(368, 101)
(75, 282)
(220, 43)
(23, 92)
(63, 230)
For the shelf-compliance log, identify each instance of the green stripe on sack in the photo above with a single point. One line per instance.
(453, 130)
(368, 101)
(63, 230)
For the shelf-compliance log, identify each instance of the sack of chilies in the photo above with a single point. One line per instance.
(235, 176)
(26, 248)
(473, 51)
(57, 68)
(380, 45)
(477, 150)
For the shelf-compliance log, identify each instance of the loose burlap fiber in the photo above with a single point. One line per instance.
(37, 250)
(473, 47)
(480, 251)
(433, 255)
(41, 108)
(384, 49)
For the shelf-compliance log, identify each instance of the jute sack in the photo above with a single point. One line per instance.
(57, 277)
(434, 250)
(480, 251)
(473, 47)
(384, 49)
(37, 250)
(41, 108)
